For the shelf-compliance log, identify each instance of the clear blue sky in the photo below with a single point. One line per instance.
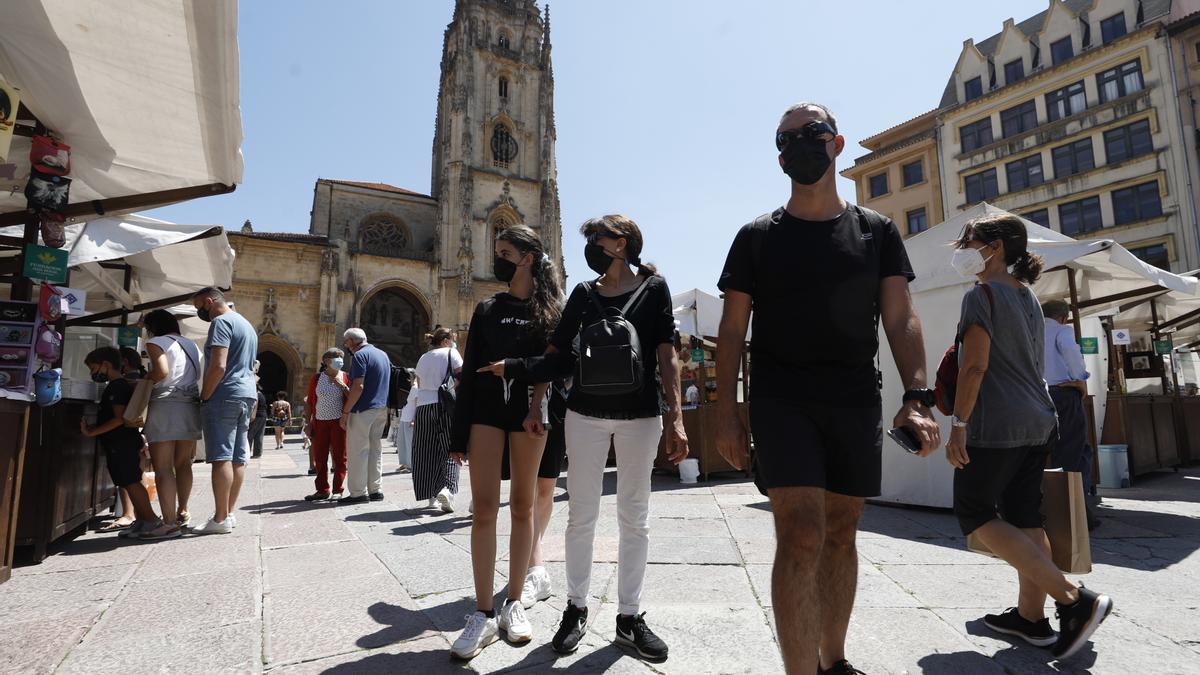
(666, 108)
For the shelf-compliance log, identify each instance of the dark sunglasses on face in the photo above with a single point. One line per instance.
(814, 131)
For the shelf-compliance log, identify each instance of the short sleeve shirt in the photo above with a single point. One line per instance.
(1014, 408)
(432, 368)
(375, 368)
(330, 398)
(117, 392)
(233, 332)
(815, 290)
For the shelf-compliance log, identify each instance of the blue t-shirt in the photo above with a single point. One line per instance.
(232, 331)
(375, 369)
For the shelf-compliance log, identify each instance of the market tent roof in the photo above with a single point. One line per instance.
(144, 91)
(698, 313)
(167, 260)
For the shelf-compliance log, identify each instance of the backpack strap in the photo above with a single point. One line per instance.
(758, 234)
(594, 296)
(636, 294)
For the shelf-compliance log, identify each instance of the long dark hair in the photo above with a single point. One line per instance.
(1005, 227)
(621, 227)
(545, 306)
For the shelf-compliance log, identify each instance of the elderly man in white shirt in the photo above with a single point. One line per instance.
(1067, 376)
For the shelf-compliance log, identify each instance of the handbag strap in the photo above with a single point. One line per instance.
(449, 365)
(188, 355)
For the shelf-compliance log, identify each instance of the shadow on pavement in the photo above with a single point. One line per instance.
(297, 505)
(542, 659)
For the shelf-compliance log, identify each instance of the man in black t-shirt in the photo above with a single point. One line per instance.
(820, 276)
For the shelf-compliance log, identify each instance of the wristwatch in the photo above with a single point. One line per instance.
(923, 396)
(958, 423)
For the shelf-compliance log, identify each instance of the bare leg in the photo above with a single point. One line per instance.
(525, 455)
(127, 512)
(839, 574)
(163, 457)
(800, 537)
(141, 502)
(1030, 559)
(222, 481)
(279, 441)
(1031, 601)
(486, 447)
(543, 509)
(235, 488)
(185, 454)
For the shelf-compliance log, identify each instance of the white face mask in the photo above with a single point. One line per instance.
(969, 262)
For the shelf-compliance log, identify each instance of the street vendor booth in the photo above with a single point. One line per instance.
(698, 320)
(105, 108)
(1092, 275)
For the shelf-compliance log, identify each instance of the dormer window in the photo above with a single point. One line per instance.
(1061, 50)
(1112, 28)
(1014, 71)
(972, 89)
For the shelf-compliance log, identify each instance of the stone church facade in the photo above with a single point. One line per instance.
(397, 262)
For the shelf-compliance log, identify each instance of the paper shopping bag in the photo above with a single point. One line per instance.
(135, 410)
(1066, 523)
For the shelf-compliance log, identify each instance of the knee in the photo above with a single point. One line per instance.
(800, 541)
(484, 510)
(520, 509)
(841, 535)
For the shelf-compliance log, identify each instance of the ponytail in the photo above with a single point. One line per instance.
(1028, 268)
(1009, 229)
(545, 305)
(621, 227)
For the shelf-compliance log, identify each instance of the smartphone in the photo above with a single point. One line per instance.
(905, 439)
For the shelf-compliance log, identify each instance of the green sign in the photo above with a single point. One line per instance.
(128, 336)
(1089, 345)
(45, 264)
(1162, 347)
(697, 355)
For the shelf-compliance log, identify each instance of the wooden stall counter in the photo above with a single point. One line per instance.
(1147, 424)
(13, 418)
(700, 424)
(65, 481)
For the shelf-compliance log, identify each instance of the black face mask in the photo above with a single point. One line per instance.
(203, 314)
(504, 270)
(597, 258)
(805, 161)
(99, 378)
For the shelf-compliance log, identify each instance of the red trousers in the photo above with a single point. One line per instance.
(329, 439)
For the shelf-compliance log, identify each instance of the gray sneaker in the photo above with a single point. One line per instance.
(135, 530)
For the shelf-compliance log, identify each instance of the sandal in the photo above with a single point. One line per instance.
(115, 525)
(183, 518)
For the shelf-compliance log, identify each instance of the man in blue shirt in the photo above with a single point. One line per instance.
(229, 400)
(1067, 376)
(364, 416)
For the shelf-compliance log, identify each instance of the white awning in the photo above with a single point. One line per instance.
(144, 91)
(698, 313)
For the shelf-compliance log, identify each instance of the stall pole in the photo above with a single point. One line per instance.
(1154, 329)
(1074, 303)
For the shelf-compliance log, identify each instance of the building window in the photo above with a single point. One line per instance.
(1041, 217)
(1018, 119)
(1073, 158)
(981, 186)
(1120, 81)
(1131, 140)
(504, 87)
(1024, 173)
(975, 135)
(504, 147)
(504, 42)
(879, 185)
(913, 173)
(973, 88)
(917, 221)
(1065, 102)
(1080, 217)
(1014, 71)
(1112, 28)
(1061, 50)
(1155, 254)
(1198, 51)
(1140, 202)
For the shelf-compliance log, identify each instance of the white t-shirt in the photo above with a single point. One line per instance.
(183, 361)
(431, 371)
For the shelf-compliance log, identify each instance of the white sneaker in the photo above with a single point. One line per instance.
(432, 503)
(232, 520)
(213, 527)
(537, 587)
(446, 501)
(514, 622)
(479, 632)
(471, 505)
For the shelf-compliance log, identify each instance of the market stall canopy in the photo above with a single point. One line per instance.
(168, 261)
(1110, 274)
(698, 313)
(144, 91)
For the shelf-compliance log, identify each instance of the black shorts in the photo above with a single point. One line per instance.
(124, 465)
(1003, 483)
(552, 456)
(491, 410)
(803, 445)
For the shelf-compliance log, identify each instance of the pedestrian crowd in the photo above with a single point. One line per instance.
(547, 379)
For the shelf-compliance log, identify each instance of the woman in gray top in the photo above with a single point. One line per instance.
(1004, 424)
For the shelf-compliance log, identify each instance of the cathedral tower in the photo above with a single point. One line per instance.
(493, 145)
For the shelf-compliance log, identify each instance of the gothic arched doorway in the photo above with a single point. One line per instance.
(272, 374)
(396, 323)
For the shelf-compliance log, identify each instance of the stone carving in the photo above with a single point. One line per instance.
(384, 237)
(269, 325)
(329, 261)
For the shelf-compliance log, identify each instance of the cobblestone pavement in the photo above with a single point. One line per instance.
(384, 587)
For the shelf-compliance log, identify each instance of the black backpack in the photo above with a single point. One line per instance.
(610, 351)
(398, 386)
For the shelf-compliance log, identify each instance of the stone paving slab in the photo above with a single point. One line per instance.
(197, 601)
(38, 645)
(183, 648)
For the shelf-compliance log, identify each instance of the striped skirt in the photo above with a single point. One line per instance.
(432, 468)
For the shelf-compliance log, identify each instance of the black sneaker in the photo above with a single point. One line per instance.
(312, 472)
(1037, 633)
(316, 497)
(376, 496)
(632, 631)
(570, 632)
(1077, 622)
(345, 501)
(842, 667)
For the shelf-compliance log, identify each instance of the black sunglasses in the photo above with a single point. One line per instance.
(814, 131)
